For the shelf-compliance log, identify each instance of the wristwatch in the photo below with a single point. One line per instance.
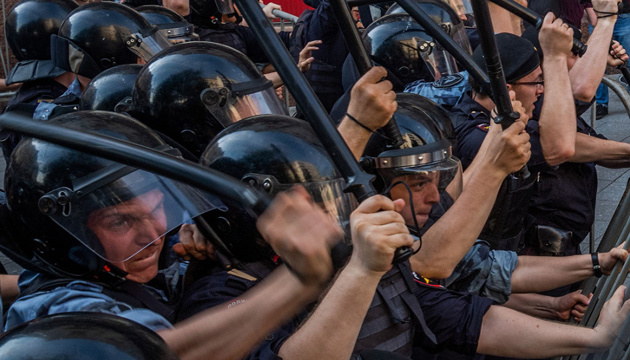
(597, 270)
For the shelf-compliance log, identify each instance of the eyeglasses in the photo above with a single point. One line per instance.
(540, 83)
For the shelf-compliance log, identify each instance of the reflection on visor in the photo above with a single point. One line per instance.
(227, 107)
(117, 221)
(147, 46)
(334, 201)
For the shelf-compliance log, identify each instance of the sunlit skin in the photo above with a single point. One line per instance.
(132, 229)
(528, 94)
(424, 194)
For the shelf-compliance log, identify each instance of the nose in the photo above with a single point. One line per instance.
(432, 195)
(147, 231)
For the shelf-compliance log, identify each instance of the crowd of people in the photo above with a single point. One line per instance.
(494, 264)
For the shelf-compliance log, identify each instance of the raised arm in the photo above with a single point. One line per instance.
(557, 118)
(301, 234)
(332, 329)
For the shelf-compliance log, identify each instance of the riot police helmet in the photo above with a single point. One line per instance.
(426, 157)
(28, 28)
(403, 47)
(90, 218)
(110, 88)
(192, 91)
(97, 36)
(83, 336)
(172, 25)
(443, 15)
(210, 12)
(274, 153)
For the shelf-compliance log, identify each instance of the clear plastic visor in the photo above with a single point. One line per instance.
(130, 216)
(229, 108)
(147, 46)
(444, 175)
(442, 61)
(329, 195)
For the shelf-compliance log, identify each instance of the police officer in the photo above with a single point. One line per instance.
(86, 45)
(28, 29)
(98, 243)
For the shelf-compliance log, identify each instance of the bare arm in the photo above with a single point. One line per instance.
(377, 230)
(372, 103)
(9, 289)
(557, 118)
(588, 70)
(450, 238)
(231, 332)
(302, 234)
(541, 273)
(607, 153)
(275, 79)
(506, 332)
(548, 307)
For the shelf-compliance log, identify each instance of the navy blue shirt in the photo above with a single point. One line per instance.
(565, 196)
(508, 220)
(454, 318)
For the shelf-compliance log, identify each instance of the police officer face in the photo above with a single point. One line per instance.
(424, 195)
(528, 89)
(132, 231)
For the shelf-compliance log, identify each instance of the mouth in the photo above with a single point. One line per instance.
(149, 251)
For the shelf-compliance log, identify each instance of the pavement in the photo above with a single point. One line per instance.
(611, 182)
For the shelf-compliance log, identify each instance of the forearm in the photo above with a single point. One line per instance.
(450, 238)
(588, 70)
(332, 330)
(231, 332)
(9, 289)
(537, 305)
(542, 273)
(275, 79)
(355, 136)
(557, 122)
(506, 332)
(593, 149)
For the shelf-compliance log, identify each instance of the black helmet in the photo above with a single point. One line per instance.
(83, 336)
(28, 28)
(192, 91)
(426, 154)
(172, 25)
(443, 15)
(273, 153)
(209, 12)
(78, 208)
(434, 111)
(401, 45)
(100, 35)
(110, 87)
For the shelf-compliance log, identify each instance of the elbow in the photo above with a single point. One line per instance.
(584, 93)
(433, 270)
(560, 155)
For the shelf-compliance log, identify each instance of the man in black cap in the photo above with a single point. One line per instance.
(472, 116)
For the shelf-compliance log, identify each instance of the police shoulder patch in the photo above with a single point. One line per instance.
(483, 127)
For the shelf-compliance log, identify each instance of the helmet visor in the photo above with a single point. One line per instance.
(228, 106)
(445, 175)
(124, 217)
(442, 61)
(329, 195)
(224, 6)
(147, 45)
